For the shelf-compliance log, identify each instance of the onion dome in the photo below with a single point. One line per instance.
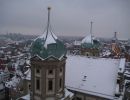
(89, 41)
(48, 44)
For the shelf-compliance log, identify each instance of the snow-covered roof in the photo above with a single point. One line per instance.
(67, 94)
(77, 43)
(106, 53)
(13, 82)
(28, 62)
(1, 86)
(28, 74)
(88, 39)
(49, 38)
(26, 97)
(94, 76)
(121, 65)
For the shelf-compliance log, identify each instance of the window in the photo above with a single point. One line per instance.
(37, 84)
(29, 86)
(50, 71)
(60, 83)
(78, 98)
(37, 71)
(50, 85)
(61, 70)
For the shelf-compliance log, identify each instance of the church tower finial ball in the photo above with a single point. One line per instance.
(49, 8)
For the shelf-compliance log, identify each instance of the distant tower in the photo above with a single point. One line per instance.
(48, 66)
(115, 40)
(115, 46)
(89, 45)
(91, 29)
(115, 35)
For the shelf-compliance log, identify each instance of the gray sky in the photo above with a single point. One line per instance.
(68, 17)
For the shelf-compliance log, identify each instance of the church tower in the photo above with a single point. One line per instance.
(89, 45)
(47, 66)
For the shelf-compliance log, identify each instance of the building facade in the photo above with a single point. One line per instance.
(48, 66)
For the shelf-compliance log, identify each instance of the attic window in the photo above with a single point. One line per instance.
(50, 71)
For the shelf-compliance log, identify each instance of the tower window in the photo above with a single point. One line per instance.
(50, 71)
(50, 85)
(37, 70)
(37, 84)
(60, 83)
(61, 70)
(29, 86)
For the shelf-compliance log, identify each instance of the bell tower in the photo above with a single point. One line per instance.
(47, 66)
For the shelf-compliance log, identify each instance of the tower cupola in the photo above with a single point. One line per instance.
(48, 44)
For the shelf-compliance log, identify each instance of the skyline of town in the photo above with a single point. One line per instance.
(47, 67)
(68, 18)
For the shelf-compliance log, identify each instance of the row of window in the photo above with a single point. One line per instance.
(50, 84)
(50, 80)
(50, 71)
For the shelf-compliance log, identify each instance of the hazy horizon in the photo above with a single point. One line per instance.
(68, 17)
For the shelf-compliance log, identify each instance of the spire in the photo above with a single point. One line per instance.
(48, 22)
(89, 38)
(50, 37)
(115, 37)
(48, 44)
(91, 30)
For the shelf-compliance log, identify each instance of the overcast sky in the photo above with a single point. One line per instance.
(68, 17)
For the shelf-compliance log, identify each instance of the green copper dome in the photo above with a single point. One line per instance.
(48, 44)
(90, 42)
(56, 49)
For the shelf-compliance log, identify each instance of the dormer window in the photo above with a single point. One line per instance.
(50, 85)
